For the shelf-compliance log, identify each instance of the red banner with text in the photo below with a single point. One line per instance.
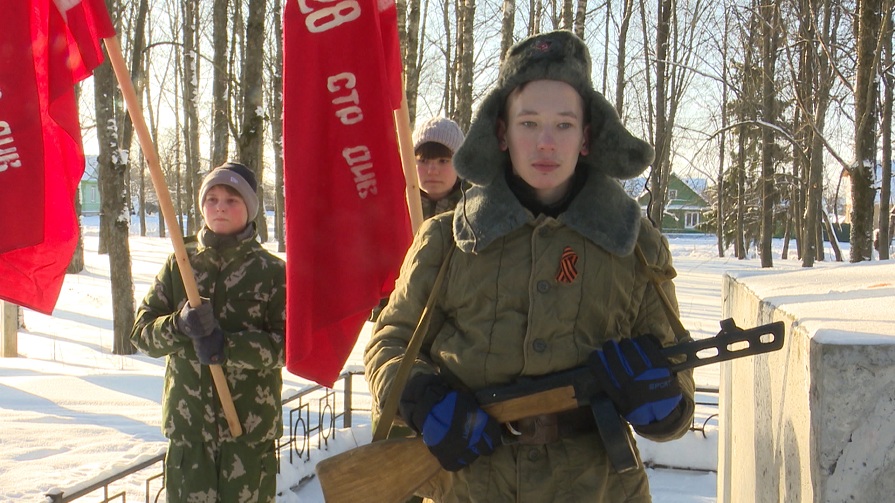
(347, 226)
(48, 46)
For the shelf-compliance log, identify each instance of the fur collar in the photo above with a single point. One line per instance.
(602, 212)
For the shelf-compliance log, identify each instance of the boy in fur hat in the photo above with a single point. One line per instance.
(240, 325)
(543, 278)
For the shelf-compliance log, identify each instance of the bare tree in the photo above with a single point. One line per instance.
(627, 11)
(722, 140)
(770, 43)
(465, 69)
(411, 54)
(76, 264)
(191, 110)
(507, 26)
(675, 46)
(276, 126)
(817, 35)
(113, 168)
(565, 16)
(861, 172)
(251, 137)
(885, 193)
(220, 115)
(448, 98)
(662, 133)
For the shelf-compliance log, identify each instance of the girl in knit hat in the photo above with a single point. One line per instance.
(541, 277)
(434, 143)
(239, 325)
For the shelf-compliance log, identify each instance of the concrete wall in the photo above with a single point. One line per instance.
(814, 421)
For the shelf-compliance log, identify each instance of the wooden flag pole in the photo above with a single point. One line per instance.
(415, 208)
(167, 208)
(408, 160)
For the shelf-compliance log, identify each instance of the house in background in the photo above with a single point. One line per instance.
(88, 189)
(686, 208)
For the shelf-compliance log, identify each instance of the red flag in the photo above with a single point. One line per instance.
(347, 226)
(47, 48)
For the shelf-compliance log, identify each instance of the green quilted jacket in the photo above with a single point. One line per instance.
(508, 309)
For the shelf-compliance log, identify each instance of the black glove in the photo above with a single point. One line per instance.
(454, 428)
(196, 322)
(637, 378)
(210, 349)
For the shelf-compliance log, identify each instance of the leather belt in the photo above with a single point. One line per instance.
(548, 428)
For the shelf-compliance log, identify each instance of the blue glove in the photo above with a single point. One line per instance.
(197, 321)
(454, 428)
(210, 349)
(637, 378)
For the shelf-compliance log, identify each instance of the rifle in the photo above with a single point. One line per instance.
(391, 470)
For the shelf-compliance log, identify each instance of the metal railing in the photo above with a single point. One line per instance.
(704, 390)
(312, 411)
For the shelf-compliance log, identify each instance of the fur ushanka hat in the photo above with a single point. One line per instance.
(609, 217)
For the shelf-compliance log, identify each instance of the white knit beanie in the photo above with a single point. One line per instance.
(237, 176)
(438, 130)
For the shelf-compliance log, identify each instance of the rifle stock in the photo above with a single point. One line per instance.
(390, 470)
(406, 463)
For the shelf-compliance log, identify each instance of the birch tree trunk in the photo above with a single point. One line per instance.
(580, 15)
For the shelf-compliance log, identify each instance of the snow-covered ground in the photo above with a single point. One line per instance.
(71, 411)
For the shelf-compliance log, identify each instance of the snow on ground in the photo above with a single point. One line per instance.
(70, 410)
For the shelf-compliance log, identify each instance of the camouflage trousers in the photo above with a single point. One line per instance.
(228, 472)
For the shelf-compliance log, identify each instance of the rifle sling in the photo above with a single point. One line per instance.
(681, 333)
(615, 434)
(390, 407)
(612, 429)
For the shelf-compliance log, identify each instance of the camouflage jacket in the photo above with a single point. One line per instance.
(247, 287)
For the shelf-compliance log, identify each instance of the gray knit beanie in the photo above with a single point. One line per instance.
(562, 56)
(239, 177)
(438, 130)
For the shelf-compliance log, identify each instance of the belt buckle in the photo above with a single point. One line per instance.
(534, 430)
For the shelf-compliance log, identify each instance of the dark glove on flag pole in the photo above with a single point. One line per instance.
(198, 324)
(637, 378)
